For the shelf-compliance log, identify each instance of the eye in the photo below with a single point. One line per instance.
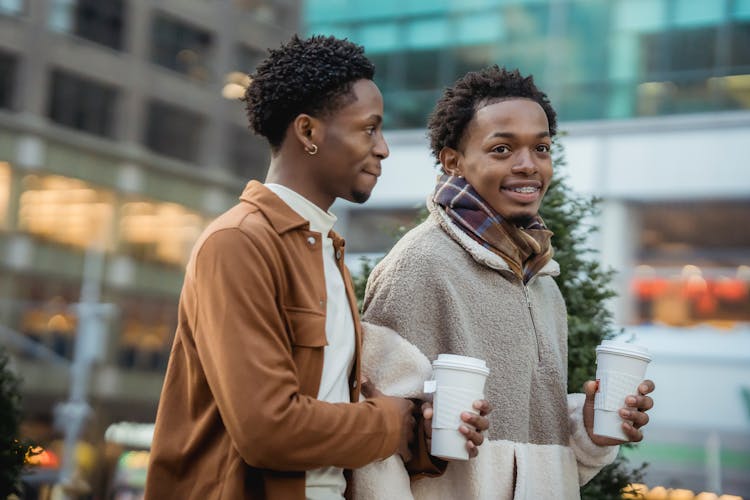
(501, 149)
(370, 130)
(543, 148)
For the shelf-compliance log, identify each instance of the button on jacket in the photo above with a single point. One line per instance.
(238, 417)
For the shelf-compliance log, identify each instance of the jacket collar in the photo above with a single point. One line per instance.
(279, 214)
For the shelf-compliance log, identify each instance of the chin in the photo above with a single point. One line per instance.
(360, 196)
(521, 219)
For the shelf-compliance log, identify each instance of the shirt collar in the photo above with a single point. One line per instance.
(320, 220)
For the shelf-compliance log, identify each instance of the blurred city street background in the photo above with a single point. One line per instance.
(122, 136)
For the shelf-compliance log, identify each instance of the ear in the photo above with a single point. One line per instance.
(450, 159)
(306, 130)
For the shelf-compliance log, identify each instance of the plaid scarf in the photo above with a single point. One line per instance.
(525, 249)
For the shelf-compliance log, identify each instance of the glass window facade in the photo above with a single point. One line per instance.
(65, 210)
(651, 57)
(11, 7)
(100, 22)
(249, 155)
(8, 64)
(77, 213)
(158, 231)
(174, 131)
(181, 47)
(81, 103)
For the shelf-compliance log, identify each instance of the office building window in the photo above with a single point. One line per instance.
(100, 22)
(147, 326)
(740, 45)
(180, 47)
(678, 50)
(47, 314)
(66, 210)
(174, 131)
(247, 58)
(82, 104)
(11, 7)
(249, 155)
(159, 231)
(422, 69)
(7, 80)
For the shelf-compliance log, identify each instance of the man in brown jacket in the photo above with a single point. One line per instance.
(261, 394)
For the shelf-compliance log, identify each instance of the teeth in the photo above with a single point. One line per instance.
(527, 189)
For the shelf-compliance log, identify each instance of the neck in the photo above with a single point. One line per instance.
(295, 173)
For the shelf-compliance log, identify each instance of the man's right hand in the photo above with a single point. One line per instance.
(406, 410)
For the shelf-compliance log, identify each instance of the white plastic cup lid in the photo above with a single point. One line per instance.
(462, 363)
(624, 349)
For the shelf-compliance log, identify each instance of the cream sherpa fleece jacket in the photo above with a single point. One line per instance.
(438, 291)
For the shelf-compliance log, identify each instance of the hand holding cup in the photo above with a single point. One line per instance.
(616, 403)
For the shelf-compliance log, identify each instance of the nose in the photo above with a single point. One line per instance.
(524, 163)
(381, 147)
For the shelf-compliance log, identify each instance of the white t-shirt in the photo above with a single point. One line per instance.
(328, 483)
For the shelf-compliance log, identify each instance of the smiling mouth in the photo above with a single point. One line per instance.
(524, 189)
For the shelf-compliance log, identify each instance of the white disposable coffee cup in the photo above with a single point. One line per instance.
(457, 381)
(620, 368)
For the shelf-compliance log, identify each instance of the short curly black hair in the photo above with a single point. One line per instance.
(312, 75)
(476, 89)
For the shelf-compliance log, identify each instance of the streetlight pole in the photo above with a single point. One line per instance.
(89, 348)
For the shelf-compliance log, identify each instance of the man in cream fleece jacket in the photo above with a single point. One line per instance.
(476, 279)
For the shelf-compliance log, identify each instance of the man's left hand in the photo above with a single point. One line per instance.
(473, 426)
(633, 414)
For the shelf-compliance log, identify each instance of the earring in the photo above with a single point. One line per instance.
(312, 149)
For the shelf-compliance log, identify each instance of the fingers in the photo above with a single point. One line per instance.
(472, 430)
(589, 388)
(637, 418)
(483, 407)
(474, 439)
(641, 400)
(640, 403)
(427, 410)
(369, 390)
(476, 421)
(646, 387)
(634, 435)
(427, 413)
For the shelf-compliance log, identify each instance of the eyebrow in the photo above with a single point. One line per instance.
(511, 135)
(378, 119)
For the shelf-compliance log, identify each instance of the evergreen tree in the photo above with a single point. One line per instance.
(585, 285)
(12, 452)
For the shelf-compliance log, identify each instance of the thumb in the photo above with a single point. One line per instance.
(589, 388)
(369, 390)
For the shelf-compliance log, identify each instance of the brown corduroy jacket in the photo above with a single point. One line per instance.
(238, 417)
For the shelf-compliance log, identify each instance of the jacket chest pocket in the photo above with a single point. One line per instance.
(307, 331)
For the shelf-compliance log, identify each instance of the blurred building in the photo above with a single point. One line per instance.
(653, 98)
(120, 129)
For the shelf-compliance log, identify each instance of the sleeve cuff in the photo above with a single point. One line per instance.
(585, 450)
